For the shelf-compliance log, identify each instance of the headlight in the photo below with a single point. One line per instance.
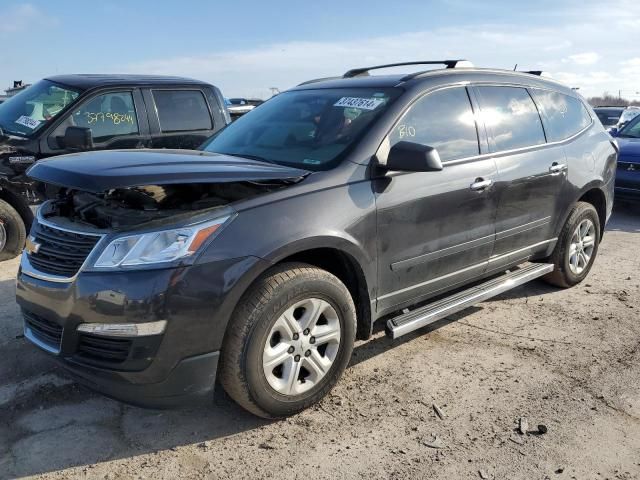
(157, 247)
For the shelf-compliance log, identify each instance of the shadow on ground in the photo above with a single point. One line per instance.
(625, 218)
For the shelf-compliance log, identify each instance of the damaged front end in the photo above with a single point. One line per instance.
(123, 189)
(132, 209)
(128, 208)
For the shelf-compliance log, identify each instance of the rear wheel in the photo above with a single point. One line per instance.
(12, 231)
(289, 340)
(577, 247)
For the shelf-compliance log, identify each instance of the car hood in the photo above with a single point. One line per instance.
(109, 169)
(629, 149)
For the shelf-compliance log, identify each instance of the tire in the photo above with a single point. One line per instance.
(565, 273)
(274, 390)
(13, 232)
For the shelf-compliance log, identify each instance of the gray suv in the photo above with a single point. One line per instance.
(259, 259)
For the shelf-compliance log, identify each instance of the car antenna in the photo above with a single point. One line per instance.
(514, 68)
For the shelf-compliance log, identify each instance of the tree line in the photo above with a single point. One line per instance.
(611, 101)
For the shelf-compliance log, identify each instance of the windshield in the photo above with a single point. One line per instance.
(631, 129)
(34, 107)
(310, 129)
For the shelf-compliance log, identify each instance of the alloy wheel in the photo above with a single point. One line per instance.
(301, 347)
(582, 245)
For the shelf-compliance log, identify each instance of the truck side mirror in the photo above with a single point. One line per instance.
(613, 131)
(78, 138)
(413, 157)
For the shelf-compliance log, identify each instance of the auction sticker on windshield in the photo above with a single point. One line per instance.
(363, 103)
(28, 122)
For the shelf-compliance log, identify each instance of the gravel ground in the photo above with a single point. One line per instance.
(565, 359)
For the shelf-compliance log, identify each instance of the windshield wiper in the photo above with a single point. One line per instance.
(10, 132)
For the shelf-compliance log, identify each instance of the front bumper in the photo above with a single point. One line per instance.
(628, 193)
(175, 367)
(628, 180)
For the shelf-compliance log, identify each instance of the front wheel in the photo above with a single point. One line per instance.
(577, 247)
(289, 340)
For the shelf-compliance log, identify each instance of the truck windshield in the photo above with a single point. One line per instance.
(31, 109)
(310, 129)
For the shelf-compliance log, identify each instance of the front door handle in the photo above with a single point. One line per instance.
(557, 167)
(480, 184)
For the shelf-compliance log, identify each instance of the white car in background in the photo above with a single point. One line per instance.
(239, 106)
(627, 115)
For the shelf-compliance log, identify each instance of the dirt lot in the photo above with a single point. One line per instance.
(569, 360)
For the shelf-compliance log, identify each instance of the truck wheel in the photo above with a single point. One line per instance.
(12, 232)
(577, 247)
(289, 340)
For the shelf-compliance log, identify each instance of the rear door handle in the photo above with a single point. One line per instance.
(480, 184)
(557, 168)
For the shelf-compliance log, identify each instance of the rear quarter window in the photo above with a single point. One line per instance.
(182, 110)
(564, 116)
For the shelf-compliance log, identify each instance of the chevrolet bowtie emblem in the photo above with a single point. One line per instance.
(31, 246)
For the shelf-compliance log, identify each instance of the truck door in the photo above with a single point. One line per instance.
(117, 119)
(179, 117)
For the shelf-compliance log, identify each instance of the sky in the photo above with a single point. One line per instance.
(246, 47)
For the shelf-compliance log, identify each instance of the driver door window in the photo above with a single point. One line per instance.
(108, 116)
(443, 120)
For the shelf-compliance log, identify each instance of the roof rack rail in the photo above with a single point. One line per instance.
(538, 73)
(315, 80)
(449, 64)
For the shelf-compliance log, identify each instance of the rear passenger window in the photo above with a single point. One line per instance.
(512, 117)
(443, 120)
(182, 110)
(564, 115)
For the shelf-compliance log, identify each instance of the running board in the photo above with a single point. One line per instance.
(430, 313)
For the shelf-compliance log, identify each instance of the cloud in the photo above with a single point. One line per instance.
(574, 44)
(591, 79)
(253, 71)
(587, 58)
(23, 17)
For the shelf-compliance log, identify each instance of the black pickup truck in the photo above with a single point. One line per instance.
(71, 113)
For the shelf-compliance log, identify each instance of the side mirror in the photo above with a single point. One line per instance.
(78, 138)
(613, 131)
(413, 157)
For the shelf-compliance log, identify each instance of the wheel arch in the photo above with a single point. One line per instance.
(338, 256)
(349, 271)
(593, 194)
(596, 197)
